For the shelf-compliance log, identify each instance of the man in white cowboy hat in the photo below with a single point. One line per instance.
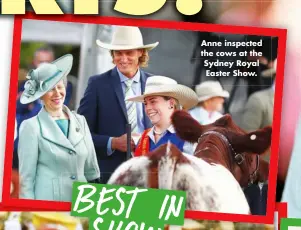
(104, 104)
(211, 98)
(161, 98)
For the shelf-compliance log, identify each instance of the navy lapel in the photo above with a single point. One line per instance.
(143, 78)
(116, 85)
(147, 122)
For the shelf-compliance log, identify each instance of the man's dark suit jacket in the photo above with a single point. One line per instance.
(257, 198)
(104, 108)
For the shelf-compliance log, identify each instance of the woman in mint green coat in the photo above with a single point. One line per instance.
(55, 146)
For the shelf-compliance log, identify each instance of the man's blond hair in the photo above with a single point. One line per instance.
(143, 60)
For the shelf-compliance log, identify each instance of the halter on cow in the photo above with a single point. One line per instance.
(214, 176)
(225, 143)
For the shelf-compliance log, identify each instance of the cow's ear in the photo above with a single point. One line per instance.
(187, 128)
(258, 141)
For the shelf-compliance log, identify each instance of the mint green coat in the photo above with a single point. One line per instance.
(49, 162)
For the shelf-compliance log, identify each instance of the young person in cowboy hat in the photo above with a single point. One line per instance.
(211, 98)
(55, 146)
(161, 98)
(104, 104)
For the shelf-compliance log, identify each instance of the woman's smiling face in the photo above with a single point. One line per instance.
(54, 99)
(158, 109)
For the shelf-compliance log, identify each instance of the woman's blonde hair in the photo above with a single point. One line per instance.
(143, 60)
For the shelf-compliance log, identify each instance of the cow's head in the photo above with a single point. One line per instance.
(168, 168)
(226, 143)
(155, 170)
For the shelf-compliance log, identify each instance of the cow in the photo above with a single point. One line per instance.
(225, 143)
(225, 160)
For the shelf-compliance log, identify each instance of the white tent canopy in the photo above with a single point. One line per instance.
(52, 32)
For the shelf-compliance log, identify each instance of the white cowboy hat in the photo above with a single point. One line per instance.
(45, 77)
(165, 86)
(126, 38)
(209, 89)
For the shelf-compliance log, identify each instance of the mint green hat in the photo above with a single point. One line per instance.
(45, 77)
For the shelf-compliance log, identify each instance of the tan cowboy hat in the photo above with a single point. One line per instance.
(126, 38)
(165, 86)
(209, 89)
(45, 77)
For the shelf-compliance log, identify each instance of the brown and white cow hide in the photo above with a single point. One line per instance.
(209, 187)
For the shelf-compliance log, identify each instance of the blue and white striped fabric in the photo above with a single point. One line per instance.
(131, 106)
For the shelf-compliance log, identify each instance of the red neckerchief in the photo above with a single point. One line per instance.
(143, 146)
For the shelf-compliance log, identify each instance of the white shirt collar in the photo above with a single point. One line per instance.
(203, 110)
(123, 78)
(151, 135)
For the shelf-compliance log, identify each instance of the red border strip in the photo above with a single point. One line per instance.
(66, 206)
(281, 208)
